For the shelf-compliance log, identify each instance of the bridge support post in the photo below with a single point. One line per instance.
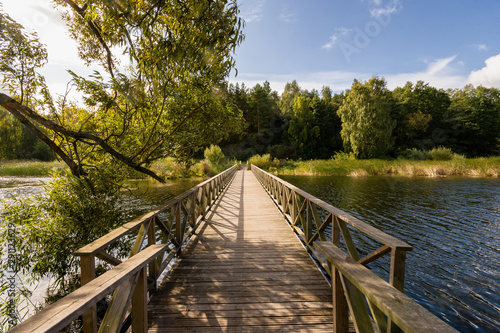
(140, 304)
(397, 279)
(87, 264)
(340, 308)
(153, 271)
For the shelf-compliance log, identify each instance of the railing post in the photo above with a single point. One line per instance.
(309, 225)
(153, 273)
(140, 304)
(87, 264)
(340, 308)
(397, 279)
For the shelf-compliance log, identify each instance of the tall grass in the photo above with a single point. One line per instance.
(29, 168)
(457, 166)
(171, 168)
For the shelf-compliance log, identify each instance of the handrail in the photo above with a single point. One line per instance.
(166, 236)
(60, 314)
(359, 283)
(301, 210)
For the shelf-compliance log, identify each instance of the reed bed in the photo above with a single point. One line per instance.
(476, 167)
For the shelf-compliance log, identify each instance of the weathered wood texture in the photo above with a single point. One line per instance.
(380, 295)
(245, 271)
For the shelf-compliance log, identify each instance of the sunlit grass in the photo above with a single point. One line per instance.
(458, 166)
(20, 168)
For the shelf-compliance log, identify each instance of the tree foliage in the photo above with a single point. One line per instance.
(475, 115)
(366, 119)
(167, 99)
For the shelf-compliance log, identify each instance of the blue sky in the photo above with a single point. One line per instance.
(331, 42)
(445, 43)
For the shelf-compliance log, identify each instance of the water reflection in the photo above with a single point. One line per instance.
(453, 225)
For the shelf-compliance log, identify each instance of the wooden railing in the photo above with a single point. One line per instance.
(360, 285)
(161, 235)
(310, 218)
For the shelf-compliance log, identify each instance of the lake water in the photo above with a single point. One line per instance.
(453, 225)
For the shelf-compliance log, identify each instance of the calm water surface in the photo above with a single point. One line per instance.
(453, 225)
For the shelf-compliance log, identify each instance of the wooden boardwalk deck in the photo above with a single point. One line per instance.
(245, 271)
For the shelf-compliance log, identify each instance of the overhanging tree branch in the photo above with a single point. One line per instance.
(22, 112)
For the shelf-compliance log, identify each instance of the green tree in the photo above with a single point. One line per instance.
(291, 91)
(475, 114)
(421, 116)
(366, 119)
(167, 102)
(303, 130)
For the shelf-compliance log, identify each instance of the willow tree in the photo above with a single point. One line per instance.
(160, 69)
(366, 119)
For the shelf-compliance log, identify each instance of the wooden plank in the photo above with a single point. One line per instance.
(58, 315)
(356, 223)
(406, 313)
(244, 269)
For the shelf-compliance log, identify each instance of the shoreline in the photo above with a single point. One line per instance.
(483, 167)
(486, 167)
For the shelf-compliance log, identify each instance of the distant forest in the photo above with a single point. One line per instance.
(368, 120)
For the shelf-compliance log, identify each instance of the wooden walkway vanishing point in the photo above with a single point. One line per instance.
(239, 248)
(245, 271)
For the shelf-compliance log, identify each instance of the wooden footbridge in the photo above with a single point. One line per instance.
(242, 252)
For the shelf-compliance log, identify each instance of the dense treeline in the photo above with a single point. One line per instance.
(368, 120)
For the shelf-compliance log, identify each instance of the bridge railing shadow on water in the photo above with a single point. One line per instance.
(160, 236)
(372, 303)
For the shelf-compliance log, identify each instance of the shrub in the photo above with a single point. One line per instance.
(51, 226)
(264, 161)
(415, 154)
(441, 154)
(214, 155)
(343, 156)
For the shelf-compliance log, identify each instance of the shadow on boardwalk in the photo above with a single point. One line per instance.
(245, 271)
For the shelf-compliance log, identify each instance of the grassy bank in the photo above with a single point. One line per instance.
(476, 167)
(168, 168)
(29, 168)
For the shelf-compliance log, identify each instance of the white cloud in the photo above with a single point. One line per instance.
(393, 7)
(288, 16)
(439, 73)
(480, 47)
(251, 10)
(489, 75)
(335, 38)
